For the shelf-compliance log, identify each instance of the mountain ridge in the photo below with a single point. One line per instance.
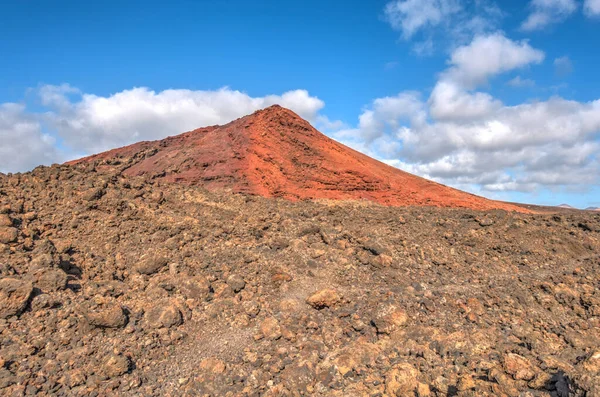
(275, 153)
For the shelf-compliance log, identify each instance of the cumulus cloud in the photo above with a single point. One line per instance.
(450, 21)
(86, 123)
(91, 123)
(24, 144)
(473, 65)
(472, 140)
(547, 12)
(487, 56)
(591, 8)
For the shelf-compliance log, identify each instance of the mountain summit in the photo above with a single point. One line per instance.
(275, 153)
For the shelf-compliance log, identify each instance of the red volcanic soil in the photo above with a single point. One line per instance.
(275, 153)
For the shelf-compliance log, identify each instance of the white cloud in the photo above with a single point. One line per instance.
(24, 145)
(487, 56)
(473, 141)
(563, 66)
(519, 82)
(591, 8)
(91, 123)
(547, 12)
(452, 22)
(410, 16)
(87, 123)
(473, 65)
(449, 101)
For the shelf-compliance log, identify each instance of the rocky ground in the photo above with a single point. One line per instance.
(114, 286)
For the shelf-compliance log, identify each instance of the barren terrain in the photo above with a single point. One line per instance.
(125, 285)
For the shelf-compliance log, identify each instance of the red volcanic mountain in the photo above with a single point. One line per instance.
(275, 153)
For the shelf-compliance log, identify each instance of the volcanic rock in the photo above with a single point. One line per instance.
(151, 265)
(14, 296)
(8, 235)
(106, 314)
(401, 380)
(323, 298)
(164, 314)
(389, 318)
(269, 296)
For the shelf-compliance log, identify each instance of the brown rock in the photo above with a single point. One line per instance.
(401, 381)
(8, 235)
(270, 328)
(106, 315)
(51, 280)
(151, 265)
(323, 298)
(592, 363)
(5, 220)
(466, 382)
(43, 261)
(196, 287)
(389, 318)
(164, 314)
(213, 365)
(236, 283)
(519, 367)
(423, 390)
(93, 194)
(14, 296)
(116, 365)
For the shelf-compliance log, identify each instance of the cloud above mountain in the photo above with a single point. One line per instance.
(469, 138)
(86, 123)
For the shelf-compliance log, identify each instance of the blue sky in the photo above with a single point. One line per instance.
(447, 89)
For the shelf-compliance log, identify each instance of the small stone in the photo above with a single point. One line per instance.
(164, 314)
(5, 220)
(466, 382)
(14, 296)
(51, 280)
(423, 390)
(540, 381)
(116, 365)
(236, 283)
(374, 247)
(8, 235)
(401, 380)
(151, 265)
(196, 287)
(106, 315)
(388, 319)
(323, 298)
(485, 222)
(592, 363)
(41, 301)
(270, 328)
(519, 367)
(93, 194)
(213, 365)
(75, 378)
(43, 261)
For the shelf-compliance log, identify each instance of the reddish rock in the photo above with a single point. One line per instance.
(323, 298)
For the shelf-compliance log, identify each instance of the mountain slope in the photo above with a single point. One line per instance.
(275, 153)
